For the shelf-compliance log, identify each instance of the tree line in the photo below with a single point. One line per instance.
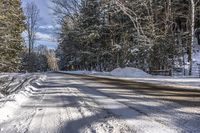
(102, 35)
(147, 34)
(18, 53)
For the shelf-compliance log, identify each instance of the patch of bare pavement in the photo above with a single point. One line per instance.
(71, 104)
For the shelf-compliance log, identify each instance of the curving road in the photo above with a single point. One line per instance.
(66, 103)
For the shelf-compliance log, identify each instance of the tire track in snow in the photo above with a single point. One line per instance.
(48, 116)
(106, 121)
(112, 105)
(166, 119)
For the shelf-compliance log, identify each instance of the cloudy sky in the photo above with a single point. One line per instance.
(46, 34)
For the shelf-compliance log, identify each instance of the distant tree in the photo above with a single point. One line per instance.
(38, 60)
(42, 62)
(29, 61)
(52, 60)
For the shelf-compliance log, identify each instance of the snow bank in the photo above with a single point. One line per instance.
(118, 72)
(129, 72)
(10, 81)
(137, 75)
(1, 95)
(9, 104)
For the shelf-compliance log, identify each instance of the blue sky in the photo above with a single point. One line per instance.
(46, 34)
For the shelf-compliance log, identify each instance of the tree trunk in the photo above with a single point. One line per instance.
(192, 35)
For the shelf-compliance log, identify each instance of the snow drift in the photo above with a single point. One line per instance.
(129, 72)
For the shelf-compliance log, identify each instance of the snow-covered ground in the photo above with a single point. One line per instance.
(12, 102)
(134, 74)
(59, 103)
(128, 72)
(9, 82)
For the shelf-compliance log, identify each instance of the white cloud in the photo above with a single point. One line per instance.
(47, 27)
(58, 26)
(51, 45)
(41, 36)
(50, 27)
(45, 37)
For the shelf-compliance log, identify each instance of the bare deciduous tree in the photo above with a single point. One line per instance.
(32, 17)
(52, 60)
(66, 9)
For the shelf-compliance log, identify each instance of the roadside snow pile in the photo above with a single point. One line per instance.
(129, 72)
(10, 103)
(10, 82)
(1, 95)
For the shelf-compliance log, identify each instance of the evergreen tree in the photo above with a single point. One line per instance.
(89, 33)
(147, 34)
(11, 28)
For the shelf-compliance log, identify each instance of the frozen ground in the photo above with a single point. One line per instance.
(71, 104)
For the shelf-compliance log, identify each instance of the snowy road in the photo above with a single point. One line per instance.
(71, 104)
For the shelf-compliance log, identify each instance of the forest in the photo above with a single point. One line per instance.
(153, 35)
(101, 35)
(100, 66)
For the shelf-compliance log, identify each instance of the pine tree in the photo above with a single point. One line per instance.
(11, 42)
(147, 34)
(89, 25)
